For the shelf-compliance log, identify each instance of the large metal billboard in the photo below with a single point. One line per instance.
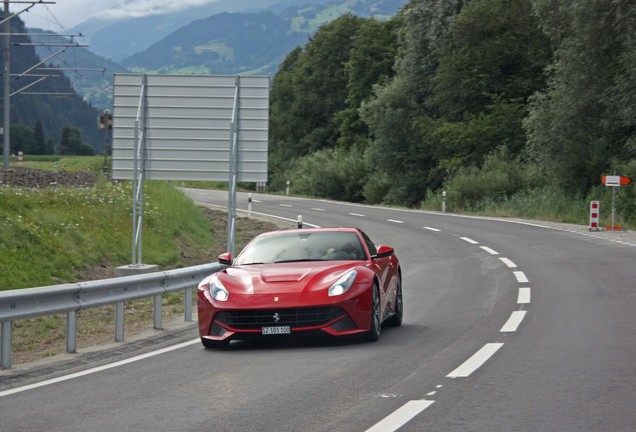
(185, 127)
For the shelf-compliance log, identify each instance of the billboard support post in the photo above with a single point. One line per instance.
(233, 169)
(138, 176)
(189, 128)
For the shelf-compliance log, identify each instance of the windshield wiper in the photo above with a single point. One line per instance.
(298, 260)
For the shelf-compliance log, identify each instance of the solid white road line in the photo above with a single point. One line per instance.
(401, 416)
(469, 240)
(521, 277)
(490, 251)
(524, 295)
(507, 262)
(98, 369)
(513, 322)
(473, 363)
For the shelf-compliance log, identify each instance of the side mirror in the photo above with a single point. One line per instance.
(384, 251)
(225, 258)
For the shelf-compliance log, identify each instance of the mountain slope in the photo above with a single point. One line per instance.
(55, 105)
(222, 44)
(232, 43)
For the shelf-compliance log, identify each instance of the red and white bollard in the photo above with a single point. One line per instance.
(594, 214)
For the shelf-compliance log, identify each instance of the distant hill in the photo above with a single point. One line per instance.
(222, 44)
(232, 43)
(118, 39)
(95, 86)
(52, 101)
(225, 37)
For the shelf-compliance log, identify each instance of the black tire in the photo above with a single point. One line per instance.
(398, 312)
(376, 320)
(213, 344)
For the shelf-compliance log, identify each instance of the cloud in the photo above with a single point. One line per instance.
(141, 8)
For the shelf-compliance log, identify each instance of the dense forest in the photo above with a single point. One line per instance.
(48, 116)
(518, 103)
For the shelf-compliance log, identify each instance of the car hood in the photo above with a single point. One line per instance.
(281, 278)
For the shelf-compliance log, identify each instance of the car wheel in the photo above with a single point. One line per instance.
(398, 312)
(374, 332)
(213, 344)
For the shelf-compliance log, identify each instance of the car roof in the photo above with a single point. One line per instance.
(311, 230)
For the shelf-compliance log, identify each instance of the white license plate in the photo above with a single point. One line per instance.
(276, 330)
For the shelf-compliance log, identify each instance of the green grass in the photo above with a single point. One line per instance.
(63, 163)
(55, 235)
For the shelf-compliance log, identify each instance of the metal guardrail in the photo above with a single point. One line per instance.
(71, 298)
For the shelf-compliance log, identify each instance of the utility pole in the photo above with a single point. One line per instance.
(6, 85)
(6, 68)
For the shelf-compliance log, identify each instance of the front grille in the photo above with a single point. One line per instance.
(295, 317)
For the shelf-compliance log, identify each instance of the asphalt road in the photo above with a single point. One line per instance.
(508, 326)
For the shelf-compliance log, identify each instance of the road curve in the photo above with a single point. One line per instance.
(507, 326)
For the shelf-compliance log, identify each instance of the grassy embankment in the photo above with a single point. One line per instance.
(59, 235)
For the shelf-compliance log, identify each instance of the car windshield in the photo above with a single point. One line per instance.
(299, 246)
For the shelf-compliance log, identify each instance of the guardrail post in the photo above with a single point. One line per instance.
(157, 308)
(119, 322)
(71, 332)
(5, 348)
(188, 304)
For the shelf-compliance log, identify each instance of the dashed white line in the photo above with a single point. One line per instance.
(395, 221)
(508, 263)
(401, 416)
(432, 229)
(318, 209)
(521, 277)
(469, 240)
(524, 295)
(478, 359)
(513, 322)
(285, 205)
(490, 251)
(356, 214)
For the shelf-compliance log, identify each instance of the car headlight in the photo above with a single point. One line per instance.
(343, 284)
(217, 290)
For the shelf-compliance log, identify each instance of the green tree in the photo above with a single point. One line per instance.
(491, 61)
(39, 140)
(71, 143)
(370, 63)
(585, 118)
(401, 124)
(21, 139)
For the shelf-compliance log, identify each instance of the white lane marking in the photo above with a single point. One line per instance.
(98, 369)
(507, 262)
(469, 240)
(521, 277)
(395, 221)
(356, 214)
(432, 229)
(318, 209)
(524, 296)
(285, 205)
(513, 322)
(490, 251)
(256, 201)
(401, 416)
(473, 363)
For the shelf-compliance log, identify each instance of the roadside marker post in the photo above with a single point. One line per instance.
(594, 214)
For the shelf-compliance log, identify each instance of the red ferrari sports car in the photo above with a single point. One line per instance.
(331, 280)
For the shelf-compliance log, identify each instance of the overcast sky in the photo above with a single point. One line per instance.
(65, 14)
